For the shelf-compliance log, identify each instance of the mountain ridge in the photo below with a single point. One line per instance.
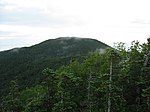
(26, 64)
(59, 38)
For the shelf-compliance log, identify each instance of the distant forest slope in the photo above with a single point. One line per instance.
(26, 64)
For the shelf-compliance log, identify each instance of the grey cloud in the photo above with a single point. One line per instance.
(35, 17)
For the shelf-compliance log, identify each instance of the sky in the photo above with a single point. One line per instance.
(28, 22)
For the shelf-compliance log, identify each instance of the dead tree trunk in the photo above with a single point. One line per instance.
(110, 87)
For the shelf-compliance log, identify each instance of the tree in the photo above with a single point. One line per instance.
(50, 84)
(11, 103)
(65, 95)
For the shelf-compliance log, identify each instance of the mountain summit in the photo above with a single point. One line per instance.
(27, 63)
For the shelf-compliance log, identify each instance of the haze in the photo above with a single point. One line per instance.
(27, 22)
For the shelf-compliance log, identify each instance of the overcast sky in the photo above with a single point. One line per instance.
(27, 22)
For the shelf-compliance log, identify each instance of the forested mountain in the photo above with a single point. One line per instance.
(26, 64)
(117, 80)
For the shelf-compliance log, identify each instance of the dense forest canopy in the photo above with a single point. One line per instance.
(26, 64)
(116, 80)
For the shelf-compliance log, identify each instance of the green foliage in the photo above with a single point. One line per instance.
(12, 101)
(26, 64)
(117, 80)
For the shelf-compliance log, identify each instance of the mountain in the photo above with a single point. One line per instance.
(26, 64)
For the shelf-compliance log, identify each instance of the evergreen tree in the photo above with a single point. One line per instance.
(50, 84)
(11, 103)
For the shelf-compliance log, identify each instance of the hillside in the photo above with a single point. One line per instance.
(89, 83)
(26, 64)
